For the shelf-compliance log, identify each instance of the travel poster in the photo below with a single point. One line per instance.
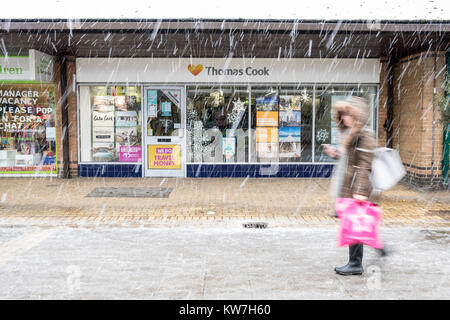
(290, 149)
(290, 118)
(289, 102)
(267, 150)
(289, 134)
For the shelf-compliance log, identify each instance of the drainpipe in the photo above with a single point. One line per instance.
(64, 116)
(389, 124)
(434, 115)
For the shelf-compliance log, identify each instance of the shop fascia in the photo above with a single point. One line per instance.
(36, 67)
(217, 70)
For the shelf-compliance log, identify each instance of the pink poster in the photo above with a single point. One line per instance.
(130, 154)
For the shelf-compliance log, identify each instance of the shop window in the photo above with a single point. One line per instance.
(326, 131)
(27, 128)
(282, 124)
(110, 123)
(217, 124)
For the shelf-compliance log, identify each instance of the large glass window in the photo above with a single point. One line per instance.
(27, 128)
(282, 124)
(326, 131)
(217, 124)
(110, 123)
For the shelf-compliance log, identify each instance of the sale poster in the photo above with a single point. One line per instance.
(130, 153)
(164, 157)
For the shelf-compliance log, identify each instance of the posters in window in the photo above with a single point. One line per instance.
(130, 153)
(102, 119)
(131, 102)
(126, 136)
(27, 128)
(102, 151)
(126, 119)
(267, 103)
(267, 150)
(267, 118)
(229, 148)
(120, 103)
(289, 118)
(104, 100)
(152, 102)
(166, 109)
(103, 134)
(50, 133)
(266, 134)
(289, 134)
(290, 102)
(290, 150)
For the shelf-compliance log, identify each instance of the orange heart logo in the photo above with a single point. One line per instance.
(195, 70)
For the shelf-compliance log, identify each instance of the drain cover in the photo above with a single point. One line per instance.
(258, 225)
(130, 193)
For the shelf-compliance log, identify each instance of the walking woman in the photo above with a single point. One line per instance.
(351, 178)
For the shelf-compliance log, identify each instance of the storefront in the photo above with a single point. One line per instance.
(28, 145)
(214, 117)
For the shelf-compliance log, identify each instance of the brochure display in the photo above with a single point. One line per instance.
(115, 127)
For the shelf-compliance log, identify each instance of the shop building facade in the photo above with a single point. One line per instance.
(161, 102)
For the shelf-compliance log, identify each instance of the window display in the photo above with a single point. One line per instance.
(326, 131)
(217, 124)
(283, 133)
(27, 129)
(110, 123)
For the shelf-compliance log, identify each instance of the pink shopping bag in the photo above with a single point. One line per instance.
(359, 222)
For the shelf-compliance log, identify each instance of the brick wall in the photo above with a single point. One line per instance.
(72, 113)
(418, 140)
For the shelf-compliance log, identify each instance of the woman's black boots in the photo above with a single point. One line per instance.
(354, 265)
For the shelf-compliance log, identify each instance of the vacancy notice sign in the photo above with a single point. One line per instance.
(164, 156)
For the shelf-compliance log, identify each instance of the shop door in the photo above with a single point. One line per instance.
(163, 131)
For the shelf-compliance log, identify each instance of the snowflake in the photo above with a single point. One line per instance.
(322, 135)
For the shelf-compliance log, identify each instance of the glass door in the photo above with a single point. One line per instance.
(163, 131)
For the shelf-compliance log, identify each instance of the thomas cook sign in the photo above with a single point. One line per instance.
(215, 71)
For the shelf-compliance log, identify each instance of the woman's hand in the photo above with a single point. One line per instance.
(331, 151)
(359, 197)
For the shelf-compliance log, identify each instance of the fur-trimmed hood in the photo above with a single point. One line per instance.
(358, 109)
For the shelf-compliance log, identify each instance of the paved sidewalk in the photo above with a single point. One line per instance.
(216, 263)
(293, 201)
